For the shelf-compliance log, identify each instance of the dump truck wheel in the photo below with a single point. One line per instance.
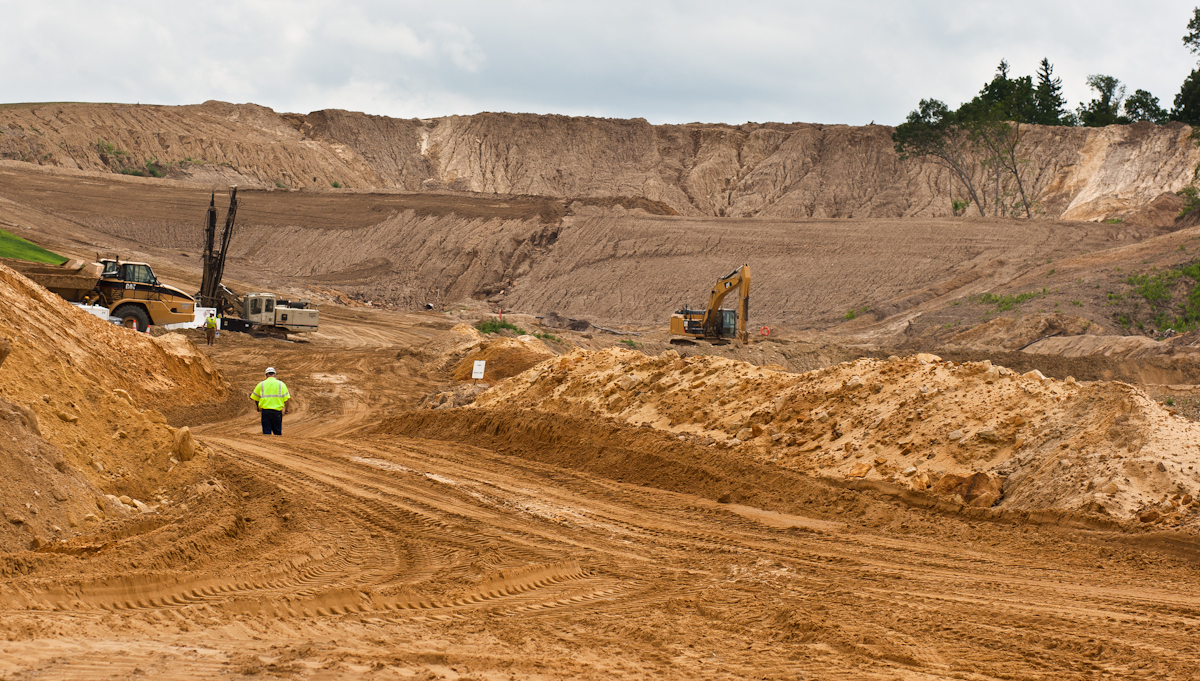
(133, 311)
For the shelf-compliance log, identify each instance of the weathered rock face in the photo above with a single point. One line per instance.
(777, 170)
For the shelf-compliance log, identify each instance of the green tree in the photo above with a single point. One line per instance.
(1048, 101)
(993, 123)
(1003, 98)
(983, 134)
(1143, 106)
(1001, 140)
(932, 132)
(1105, 109)
(1191, 39)
(1187, 102)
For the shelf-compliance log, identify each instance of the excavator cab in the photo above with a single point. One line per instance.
(687, 322)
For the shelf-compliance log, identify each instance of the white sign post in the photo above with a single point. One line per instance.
(477, 371)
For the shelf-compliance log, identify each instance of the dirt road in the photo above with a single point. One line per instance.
(347, 548)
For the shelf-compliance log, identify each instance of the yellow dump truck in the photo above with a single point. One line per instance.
(129, 290)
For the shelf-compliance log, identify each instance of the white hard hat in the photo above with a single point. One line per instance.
(270, 370)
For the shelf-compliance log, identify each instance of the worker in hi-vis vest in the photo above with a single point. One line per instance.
(210, 329)
(272, 397)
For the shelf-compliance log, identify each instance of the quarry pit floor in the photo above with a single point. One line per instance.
(344, 549)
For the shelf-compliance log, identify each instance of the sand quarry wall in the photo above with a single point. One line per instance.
(975, 433)
(782, 170)
(78, 414)
(628, 267)
(611, 266)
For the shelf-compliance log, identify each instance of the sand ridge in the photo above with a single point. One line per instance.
(1097, 447)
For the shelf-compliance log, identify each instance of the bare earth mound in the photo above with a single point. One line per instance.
(918, 422)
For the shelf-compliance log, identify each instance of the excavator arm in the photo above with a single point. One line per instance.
(738, 279)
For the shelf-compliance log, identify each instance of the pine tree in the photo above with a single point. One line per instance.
(1048, 98)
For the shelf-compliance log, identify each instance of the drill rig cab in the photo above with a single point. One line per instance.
(712, 323)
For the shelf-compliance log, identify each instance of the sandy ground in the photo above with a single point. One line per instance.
(800, 507)
(486, 543)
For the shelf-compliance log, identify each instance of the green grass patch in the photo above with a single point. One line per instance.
(106, 147)
(548, 336)
(853, 313)
(15, 247)
(495, 325)
(1005, 302)
(1173, 297)
(1154, 287)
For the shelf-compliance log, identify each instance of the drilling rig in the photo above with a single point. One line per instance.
(213, 263)
(252, 312)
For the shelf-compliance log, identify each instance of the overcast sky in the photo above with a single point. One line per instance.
(666, 61)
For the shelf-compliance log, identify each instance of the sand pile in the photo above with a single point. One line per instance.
(980, 434)
(505, 357)
(78, 424)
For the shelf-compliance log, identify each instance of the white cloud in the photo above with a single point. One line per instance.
(668, 61)
(357, 33)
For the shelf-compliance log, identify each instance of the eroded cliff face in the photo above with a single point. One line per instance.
(770, 170)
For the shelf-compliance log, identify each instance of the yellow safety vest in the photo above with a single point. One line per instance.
(271, 393)
(211, 322)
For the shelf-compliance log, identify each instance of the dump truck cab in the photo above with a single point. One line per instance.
(131, 290)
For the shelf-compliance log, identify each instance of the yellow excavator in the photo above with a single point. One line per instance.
(712, 323)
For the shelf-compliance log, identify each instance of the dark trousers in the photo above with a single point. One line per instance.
(210, 336)
(272, 422)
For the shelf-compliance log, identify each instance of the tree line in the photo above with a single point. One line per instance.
(979, 142)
